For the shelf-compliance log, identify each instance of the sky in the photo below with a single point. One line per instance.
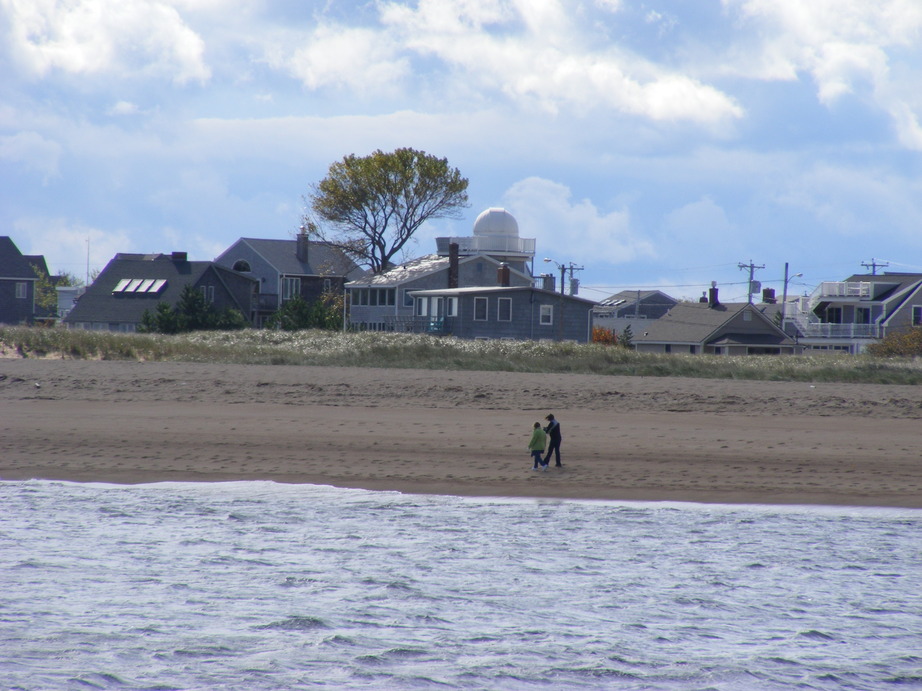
(647, 144)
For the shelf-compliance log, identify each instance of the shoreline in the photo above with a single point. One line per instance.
(462, 433)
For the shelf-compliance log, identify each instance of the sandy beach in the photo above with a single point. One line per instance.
(464, 433)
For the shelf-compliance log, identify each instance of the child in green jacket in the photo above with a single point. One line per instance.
(536, 445)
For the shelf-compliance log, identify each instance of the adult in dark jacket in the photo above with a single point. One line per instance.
(553, 432)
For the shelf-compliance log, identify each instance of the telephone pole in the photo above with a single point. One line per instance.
(874, 265)
(752, 268)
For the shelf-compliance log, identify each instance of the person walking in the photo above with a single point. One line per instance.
(553, 431)
(536, 446)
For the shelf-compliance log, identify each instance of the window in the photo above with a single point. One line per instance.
(916, 316)
(834, 315)
(747, 316)
(208, 293)
(407, 298)
(480, 309)
(327, 285)
(422, 307)
(546, 318)
(451, 307)
(291, 287)
(863, 315)
(242, 265)
(22, 290)
(504, 310)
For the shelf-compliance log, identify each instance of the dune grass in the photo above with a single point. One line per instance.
(394, 350)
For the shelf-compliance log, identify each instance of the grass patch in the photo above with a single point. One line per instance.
(394, 350)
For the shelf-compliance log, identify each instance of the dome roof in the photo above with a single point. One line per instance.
(494, 222)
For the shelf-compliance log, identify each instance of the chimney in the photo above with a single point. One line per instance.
(178, 256)
(502, 275)
(768, 296)
(453, 265)
(549, 282)
(302, 246)
(712, 295)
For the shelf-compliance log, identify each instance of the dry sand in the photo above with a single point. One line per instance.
(445, 432)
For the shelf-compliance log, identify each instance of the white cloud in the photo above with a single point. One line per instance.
(572, 231)
(124, 108)
(360, 59)
(67, 244)
(120, 37)
(485, 51)
(33, 151)
(848, 47)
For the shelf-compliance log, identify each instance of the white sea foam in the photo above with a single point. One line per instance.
(264, 586)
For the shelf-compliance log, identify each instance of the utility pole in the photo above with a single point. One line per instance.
(752, 268)
(873, 266)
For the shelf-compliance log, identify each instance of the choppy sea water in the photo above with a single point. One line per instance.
(257, 585)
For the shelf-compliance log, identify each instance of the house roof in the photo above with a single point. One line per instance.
(631, 296)
(104, 302)
(484, 290)
(697, 322)
(418, 268)
(13, 264)
(322, 259)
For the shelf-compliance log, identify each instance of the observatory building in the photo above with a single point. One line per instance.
(496, 235)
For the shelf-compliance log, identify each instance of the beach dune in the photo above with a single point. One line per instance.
(465, 433)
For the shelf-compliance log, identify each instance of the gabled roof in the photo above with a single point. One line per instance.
(697, 322)
(418, 268)
(630, 296)
(13, 265)
(103, 303)
(322, 259)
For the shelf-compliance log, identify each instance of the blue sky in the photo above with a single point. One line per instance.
(656, 144)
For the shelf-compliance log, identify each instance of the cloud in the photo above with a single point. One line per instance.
(33, 151)
(357, 58)
(122, 37)
(848, 47)
(66, 243)
(572, 231)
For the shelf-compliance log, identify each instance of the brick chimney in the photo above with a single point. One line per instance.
(712, 295)
(178, 256)
(503, 275)
(453, 265)
(302, 246)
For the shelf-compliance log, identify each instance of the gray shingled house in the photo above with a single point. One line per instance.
(383, 302)
(285, 269)
(711, 327)
(505, 311)
(133, 283)
(849, 315)
(17, 284)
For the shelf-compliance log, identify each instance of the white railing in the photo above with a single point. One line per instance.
(844, 289)
(813, 328)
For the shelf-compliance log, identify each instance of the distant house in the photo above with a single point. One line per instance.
(133, 283)
(630, 307)
(285, 269)
(504, 312)
(17, 284)
(848, 315)
(384, 301)
(711, 327)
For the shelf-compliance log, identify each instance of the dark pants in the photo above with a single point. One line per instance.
(555, 447)
(537, 456)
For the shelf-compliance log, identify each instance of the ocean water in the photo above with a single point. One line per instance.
(258, 585)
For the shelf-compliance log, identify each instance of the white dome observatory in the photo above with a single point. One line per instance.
(495, 222)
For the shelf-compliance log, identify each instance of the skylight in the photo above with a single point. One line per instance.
(148, 286)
